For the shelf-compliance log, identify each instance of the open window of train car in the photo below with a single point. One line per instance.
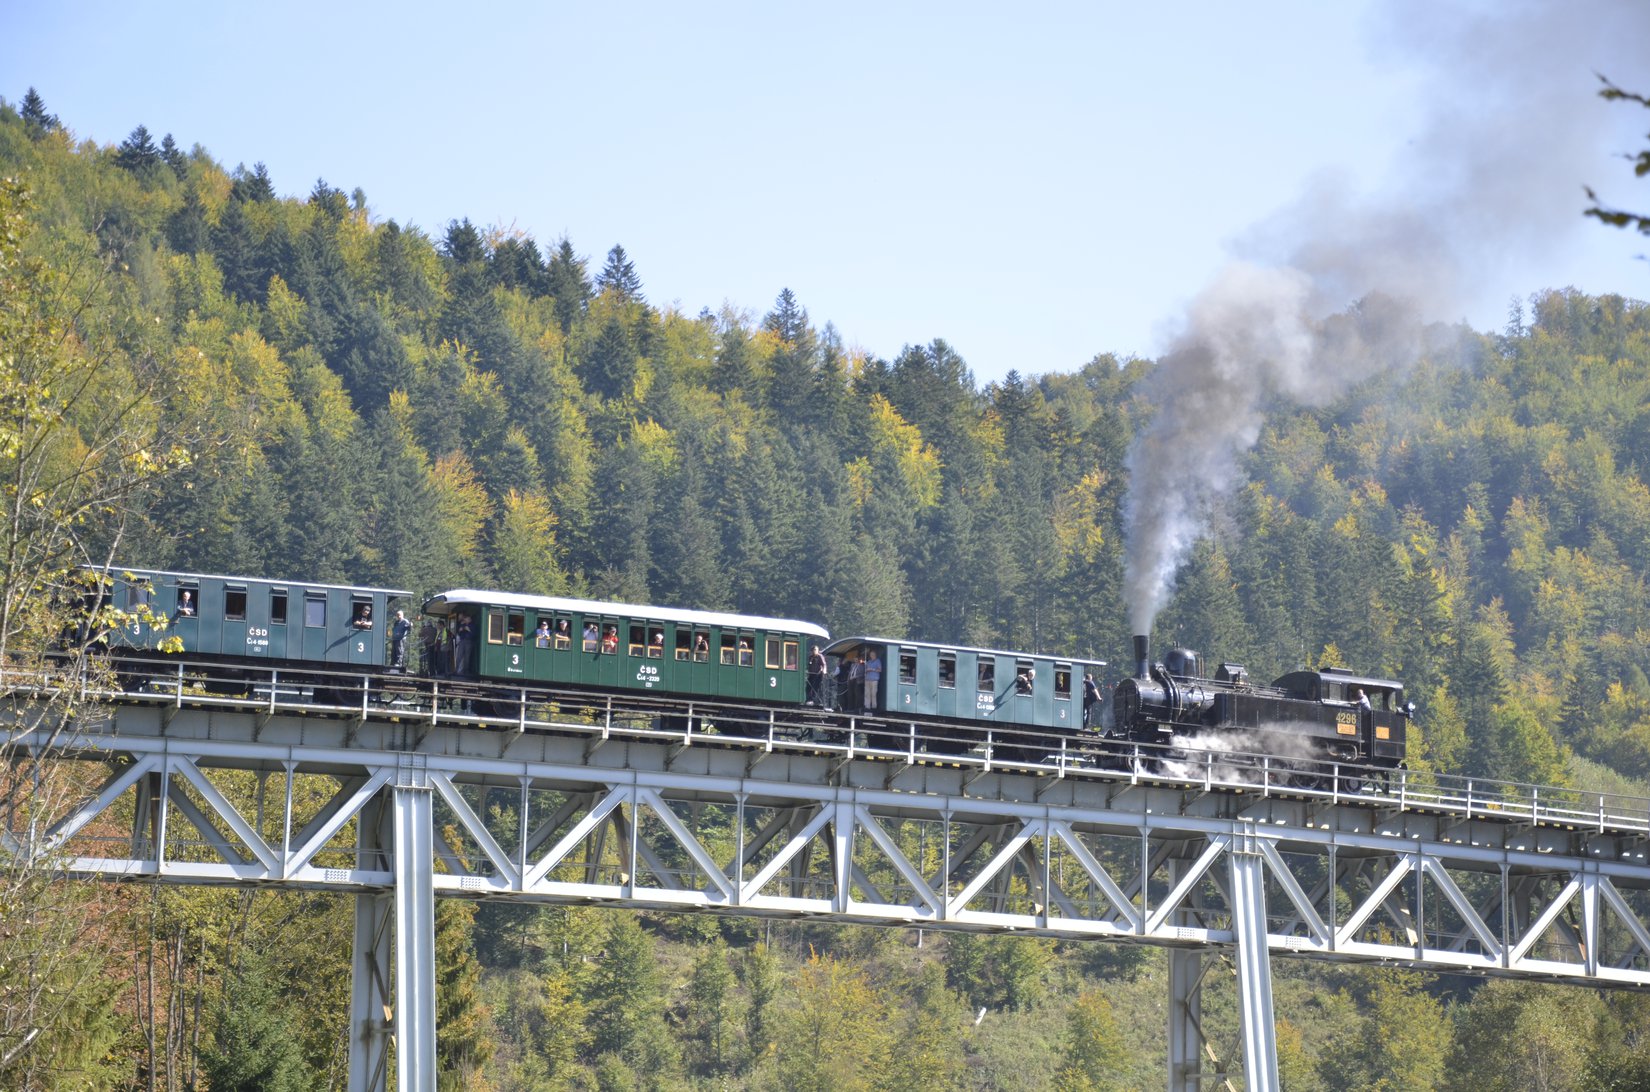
(136, 595)
(1062, 682)
(655, 641)
(234, 602)
(610, 639)
(908, 667)
(189, 599)
(360, 611)
(563, 635)
(987, 675)
(515, 627)
(1025, 676)
(727, 649)
(684, 645)
(315, 610)
(747, 650)
(591, 635)
(701, 646)
(948, 671)
(637, 645)
(277, 607)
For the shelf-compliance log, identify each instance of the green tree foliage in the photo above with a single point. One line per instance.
(836, 1036)
(1402, 1042)
(463, 1040)
(1521, 1035)
(997, 970)
(626, 1003)
(712, 1014)
(1093, 1049)
(253, 1046)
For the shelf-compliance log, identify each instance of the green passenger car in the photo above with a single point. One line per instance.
(548, 640)
(255, 619)
(953, 682)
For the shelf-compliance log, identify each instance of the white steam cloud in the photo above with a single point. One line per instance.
(1338, 287)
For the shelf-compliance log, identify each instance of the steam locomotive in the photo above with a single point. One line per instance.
(1307, 719)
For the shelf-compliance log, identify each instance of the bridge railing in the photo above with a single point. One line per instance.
(690, 722)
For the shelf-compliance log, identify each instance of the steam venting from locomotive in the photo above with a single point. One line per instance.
(1340, 286)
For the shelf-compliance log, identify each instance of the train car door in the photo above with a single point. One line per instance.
(185, 616)
(237, 637)
(1062, 701)
(610, 658)
(777, 674)
(986, 687)
(945, 683)
(135, 598)
(314, 621)
(904, 694)
(641, 664)
(366, 635)
(276, 632)
(695, 670)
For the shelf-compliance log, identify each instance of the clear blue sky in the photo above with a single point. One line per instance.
(1036, 183)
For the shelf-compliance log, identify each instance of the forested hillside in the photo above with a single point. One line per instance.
(370, 402)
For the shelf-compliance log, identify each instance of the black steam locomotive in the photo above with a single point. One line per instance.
(1311, 720)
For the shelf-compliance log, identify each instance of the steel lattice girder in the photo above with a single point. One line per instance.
(864, 842)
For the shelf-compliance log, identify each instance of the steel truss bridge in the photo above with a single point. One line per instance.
(399, 801)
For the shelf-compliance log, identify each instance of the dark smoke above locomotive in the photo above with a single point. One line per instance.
(1330, 715)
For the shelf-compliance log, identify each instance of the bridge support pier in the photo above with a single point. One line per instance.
(1260, 1045)
(414, 1022)
(370, 999)
(1185, 1019)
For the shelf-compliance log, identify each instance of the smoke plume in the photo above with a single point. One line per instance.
(1340, 286)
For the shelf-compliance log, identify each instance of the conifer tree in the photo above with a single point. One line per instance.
(463, 1041)
(137, 153)
(627, 1002)
(792, 383)
(36, 120)
(253, 185)
(711, 1009)
(172, 156)
(619, 276)
(253, 1046)
(569, 285)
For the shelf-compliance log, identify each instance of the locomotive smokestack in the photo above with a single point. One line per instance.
(1142, 656)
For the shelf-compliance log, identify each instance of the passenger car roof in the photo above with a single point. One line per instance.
(445, 601)
(848, 644)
